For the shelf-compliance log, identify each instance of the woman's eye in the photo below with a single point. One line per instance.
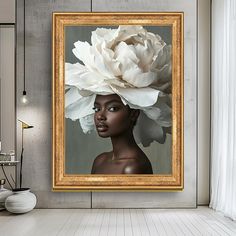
(96, 109)
(113, 109)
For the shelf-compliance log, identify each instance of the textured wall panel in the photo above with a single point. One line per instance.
(187, 198)
(38, 146)
(7, 11)
(204, 109)
(7, 95)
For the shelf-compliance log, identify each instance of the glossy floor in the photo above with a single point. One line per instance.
(119, 222)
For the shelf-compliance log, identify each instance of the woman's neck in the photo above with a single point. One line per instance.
(123, 145)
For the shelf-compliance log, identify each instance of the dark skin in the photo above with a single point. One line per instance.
(115, 120)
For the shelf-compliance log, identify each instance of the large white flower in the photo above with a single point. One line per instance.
(128, 61)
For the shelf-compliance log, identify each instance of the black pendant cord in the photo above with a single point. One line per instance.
(24, 91)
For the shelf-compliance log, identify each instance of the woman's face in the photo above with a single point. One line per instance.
(111, 117)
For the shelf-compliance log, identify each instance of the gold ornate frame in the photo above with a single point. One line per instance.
(68, 182)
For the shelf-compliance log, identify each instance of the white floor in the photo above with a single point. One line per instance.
(119, 222)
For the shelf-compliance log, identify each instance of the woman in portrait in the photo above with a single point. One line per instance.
(121, 86)
(115, 120)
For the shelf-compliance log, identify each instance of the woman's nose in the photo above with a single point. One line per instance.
(101, 115)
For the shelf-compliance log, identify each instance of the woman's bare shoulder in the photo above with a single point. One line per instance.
(138, 165)
(102, 157)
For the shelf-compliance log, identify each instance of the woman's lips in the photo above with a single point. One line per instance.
(102, 127)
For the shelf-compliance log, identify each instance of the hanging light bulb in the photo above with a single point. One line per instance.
(24, 98)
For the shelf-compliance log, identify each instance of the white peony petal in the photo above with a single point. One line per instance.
(125, 32)
(146, 131)
(82, 51)
(157, 42)
(132, 73)
(163, 57)
(72, 96)
(73, 73)
(94, 60)
(111, 62)
(102, 66)
(142, 97)
(145, 54)
(126, 54)
(138, 79)
(81, 108)
(165, 119)
(152, 112)
(103, 89)
(79, 76)
(104, 35)
(97, 59)
(118, 82)
(87, 123)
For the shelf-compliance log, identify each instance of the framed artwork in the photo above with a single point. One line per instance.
(117, 101)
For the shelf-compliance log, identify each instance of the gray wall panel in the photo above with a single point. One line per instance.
(188, 197)
(204, 91)
(37, 155)
(7, 95)
(7, 10)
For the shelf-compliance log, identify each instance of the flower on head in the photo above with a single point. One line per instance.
(130, 62)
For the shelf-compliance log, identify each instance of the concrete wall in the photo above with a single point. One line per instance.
(204, 47)
(37, 168)
(7, 11)
(7, 94)
(7, 85)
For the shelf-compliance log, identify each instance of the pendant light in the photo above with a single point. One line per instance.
(24, 98)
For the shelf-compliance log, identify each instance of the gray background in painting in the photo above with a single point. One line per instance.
(81, 149)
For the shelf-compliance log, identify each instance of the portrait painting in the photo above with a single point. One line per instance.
(117, 101)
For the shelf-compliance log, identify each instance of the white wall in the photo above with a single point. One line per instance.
(203, 101)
